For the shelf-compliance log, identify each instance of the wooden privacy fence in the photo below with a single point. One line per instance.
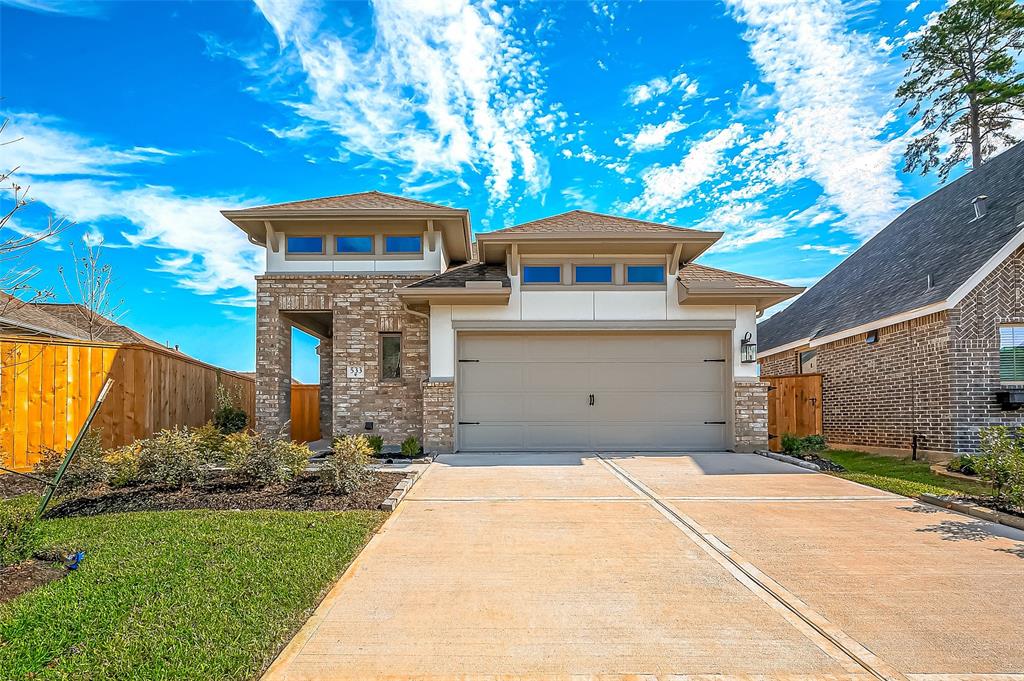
(305, 412)
(794, 406)
(48, 386)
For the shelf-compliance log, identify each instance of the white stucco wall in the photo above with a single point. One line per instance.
(582, 305)
(433, 261)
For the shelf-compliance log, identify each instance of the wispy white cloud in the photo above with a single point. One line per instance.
(651, 135)
(831, 250)
(832, 87)
(81, 8)
(577, 197)
(668, 188)
(43, 149)
(198, 247)
(660, 85)
(444, 87)
(249, 145)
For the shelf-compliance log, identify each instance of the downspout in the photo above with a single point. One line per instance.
(406, 308)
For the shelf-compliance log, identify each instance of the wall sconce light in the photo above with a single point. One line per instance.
(748, 349)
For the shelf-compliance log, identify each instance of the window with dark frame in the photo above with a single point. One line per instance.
(1011, 353)
(390, 356)
(347, 245)
(403, 244)
(304, 245)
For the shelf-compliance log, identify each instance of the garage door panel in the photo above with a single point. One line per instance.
(664, 347)
(562, 378)
(612, 437)
(495, 347)
(507, 407)
(669, 407)
(658, 376)
(567, 435)
(492, 437)
(487, 376)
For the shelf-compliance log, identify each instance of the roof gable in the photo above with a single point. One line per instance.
(583, 221)
(889, 275)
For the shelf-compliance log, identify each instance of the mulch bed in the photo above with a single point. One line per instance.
(307, 493)
(28, 574)
(12, 485)
(992, 503)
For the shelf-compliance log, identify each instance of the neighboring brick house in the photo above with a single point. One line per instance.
(919, 335)
(579, 331)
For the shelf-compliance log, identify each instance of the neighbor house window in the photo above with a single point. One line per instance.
(354, 244)
(542, 274)
(593, 274)
(809, 362)
(403, 244)
(1011, 354)
(305, 245)
(390, 356)
(645, 274)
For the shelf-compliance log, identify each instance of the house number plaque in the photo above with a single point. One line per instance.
(355, 372)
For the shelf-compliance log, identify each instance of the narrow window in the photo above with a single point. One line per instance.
(354, 244)
(390, 356)
(542, 274)
(305, 245)
(645, 274)
(403, 244)
(593, 274)
(1011, 354)
(808, 362)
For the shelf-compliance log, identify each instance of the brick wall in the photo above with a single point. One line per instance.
(975, 321)
(780, 364)
(362, 307)
(750, 423)
(438, 417)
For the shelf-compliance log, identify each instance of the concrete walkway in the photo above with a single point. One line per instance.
(703, 566)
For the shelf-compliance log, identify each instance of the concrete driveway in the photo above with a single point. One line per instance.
(707, 566)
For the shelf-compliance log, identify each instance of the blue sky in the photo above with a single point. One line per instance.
(771, 121)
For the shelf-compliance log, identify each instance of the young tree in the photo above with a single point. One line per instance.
(965, 82)
(91, 289)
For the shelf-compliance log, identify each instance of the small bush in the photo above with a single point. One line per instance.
(19, 531)
(347, 470)
(410, 447)
(965, 463)
(229, 417)
(209, 436)
(376, 443)
(263, 459)
(799, 446)
(122, 465)
(174, 457)
(88, 468)
(1002, 464)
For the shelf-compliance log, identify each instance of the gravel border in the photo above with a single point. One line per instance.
(974, 510)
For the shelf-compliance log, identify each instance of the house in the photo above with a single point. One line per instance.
(917, 334)
(579, 331)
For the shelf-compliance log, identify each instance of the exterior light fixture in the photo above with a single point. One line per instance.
(748, 349)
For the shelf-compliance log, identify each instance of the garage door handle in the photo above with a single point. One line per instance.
(714, 423)
(469, 423)
(591, 399)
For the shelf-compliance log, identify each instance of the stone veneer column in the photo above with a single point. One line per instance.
(273, 363)
(438, 416)
(324, 350)
(750, 421)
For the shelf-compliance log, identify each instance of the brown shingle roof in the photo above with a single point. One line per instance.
(35, 318)
(702, 275)
(584, 221)
(361, 200)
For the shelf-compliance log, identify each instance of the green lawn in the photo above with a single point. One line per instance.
(901, 476)
(177, 595)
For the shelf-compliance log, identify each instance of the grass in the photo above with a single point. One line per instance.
(177, 595)
(900, 476)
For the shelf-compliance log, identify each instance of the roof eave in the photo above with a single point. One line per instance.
(762, 297)
(455, 295)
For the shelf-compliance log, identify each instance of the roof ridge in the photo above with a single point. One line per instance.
(425, 204)
(581, 211)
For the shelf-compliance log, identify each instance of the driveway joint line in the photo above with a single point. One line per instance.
(748, 571)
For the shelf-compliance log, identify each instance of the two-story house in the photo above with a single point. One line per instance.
(579, 331)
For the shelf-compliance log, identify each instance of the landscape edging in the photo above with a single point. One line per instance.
(788, 459)
(974, 510)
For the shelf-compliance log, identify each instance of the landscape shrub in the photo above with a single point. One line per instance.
(410, 447)
(264, 459)
(19, 531)
(174, 457)
(796, 446)
(228, 416)
(965, 463)
(1001, 463)
(348, 469)
(376, 443)
(88, 468)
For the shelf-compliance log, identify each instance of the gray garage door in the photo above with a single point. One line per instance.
(591, 391)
